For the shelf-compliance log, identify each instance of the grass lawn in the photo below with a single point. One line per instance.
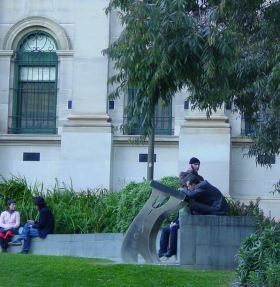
(35, 270)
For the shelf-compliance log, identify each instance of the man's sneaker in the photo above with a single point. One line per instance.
(23, 252)
(169, 254)
(161, 254)
(16, 242)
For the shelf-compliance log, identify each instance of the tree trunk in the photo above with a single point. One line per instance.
(151, 148)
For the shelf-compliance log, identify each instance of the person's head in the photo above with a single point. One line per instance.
(11, 205)
(194, 163)
(192, 181)
(39, 201)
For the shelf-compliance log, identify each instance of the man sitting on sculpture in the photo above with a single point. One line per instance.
(203, 198)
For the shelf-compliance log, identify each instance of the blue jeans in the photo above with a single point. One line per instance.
(27, 234)
(168, 240)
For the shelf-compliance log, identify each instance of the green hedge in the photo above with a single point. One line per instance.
(89, 211)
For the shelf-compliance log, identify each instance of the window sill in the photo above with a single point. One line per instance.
(29, 138)
(159, 140)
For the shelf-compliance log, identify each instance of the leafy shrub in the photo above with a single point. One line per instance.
(89, 211)
(132, 199)
(259, 257)
(273, 276)
(80, 212)
(18, 189)
(236, 208)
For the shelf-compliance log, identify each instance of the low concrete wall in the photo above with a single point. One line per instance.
(210, 241)
(204, 242)
(99, 245)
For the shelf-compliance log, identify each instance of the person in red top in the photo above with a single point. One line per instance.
(9, 224)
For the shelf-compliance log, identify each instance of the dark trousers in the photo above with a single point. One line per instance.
(5, 239)
(168, 240)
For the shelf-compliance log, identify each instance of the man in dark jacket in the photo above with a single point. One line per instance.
(205, 198)
(168, 238)
(40, 228)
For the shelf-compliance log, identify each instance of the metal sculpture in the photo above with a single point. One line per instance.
(140, 239)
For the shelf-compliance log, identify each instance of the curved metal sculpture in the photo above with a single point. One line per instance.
(140, 239)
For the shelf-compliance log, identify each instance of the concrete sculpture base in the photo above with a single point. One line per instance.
(211, 241)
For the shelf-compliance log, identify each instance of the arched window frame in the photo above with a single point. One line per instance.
(28, 25)
(35, 86)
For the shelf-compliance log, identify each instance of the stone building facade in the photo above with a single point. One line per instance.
(56, 121)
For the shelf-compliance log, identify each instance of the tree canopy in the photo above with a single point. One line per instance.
(222, 50)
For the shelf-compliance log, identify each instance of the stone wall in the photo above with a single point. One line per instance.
(210, 241)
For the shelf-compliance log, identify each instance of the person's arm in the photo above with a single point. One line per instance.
(17, 224)
(194, 193)
(43, 220)
(2, 222)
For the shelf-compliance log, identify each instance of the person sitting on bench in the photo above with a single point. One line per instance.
(40, 228)
(9, 224)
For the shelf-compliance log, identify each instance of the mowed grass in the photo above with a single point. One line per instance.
(35, 270)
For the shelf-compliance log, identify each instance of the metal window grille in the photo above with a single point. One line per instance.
(35, 87)
(163, 118)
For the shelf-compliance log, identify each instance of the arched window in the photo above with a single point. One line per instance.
(35, 86)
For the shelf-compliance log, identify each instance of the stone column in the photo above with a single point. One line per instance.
(86, 139)
(5, 80)
(65, 86)
(209, 140)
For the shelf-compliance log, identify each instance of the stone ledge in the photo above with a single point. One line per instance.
(204, 122)
(160, 140)
(94, 245)
(214, 220)
(95, 120)
(29, 138)
(6, 53)
(241, 140)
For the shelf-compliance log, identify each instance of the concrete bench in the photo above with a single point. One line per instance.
(98, 245)
(95, 245)
(204, 242)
